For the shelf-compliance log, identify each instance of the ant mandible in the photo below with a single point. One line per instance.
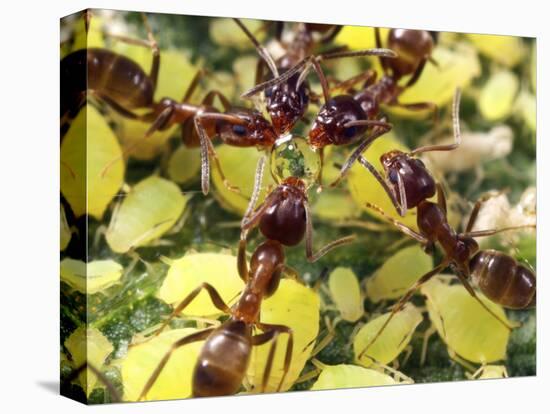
(225, 355)
(499, 276)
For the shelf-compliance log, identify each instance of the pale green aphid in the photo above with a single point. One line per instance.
(469, 331)
(87, 148)
(184, 164)
(148, 211)
(497, 96)
(189, 271)
(91, 346)
(490, 372)
(64, 230)
(398, 273)
(350, 376)
(346, 293)
(391, 342)
(90, 277)
(507, 50)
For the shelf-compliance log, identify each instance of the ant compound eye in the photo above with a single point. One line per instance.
(350, 132)
(239, 129)
(393, 176)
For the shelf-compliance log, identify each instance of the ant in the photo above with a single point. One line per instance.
(109, 77)
(225, 355)
(285, 214)
(499, 276)
(344, 119)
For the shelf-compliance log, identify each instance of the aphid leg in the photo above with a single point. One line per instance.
(473, 293)
(381, 127)
(194, 337)
(425, 340)
(311, 256)
(262, 51)
(401, 209)
(271, 333)
(402, 302)
(456, 128)
(215, 297)
(402, 227)
(115, 396)
(378, 39)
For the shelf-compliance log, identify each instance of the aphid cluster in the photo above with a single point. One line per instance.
(139, 226)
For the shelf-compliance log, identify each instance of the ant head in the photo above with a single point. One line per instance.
(295, 182)
(331, 125)
(413, 48)
(418, 183)
(287, 104)
(249, 128)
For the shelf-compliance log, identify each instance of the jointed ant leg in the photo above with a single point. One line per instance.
(194, 337)
(367, 77)
(402, 227)
(378, 40)
(416, 75)
(491, 232)
(262, 51)
(271, 333)
(115, 396)
(403, 300)
(311, 256)
(441, 200)
(381, 127)
(477, 207)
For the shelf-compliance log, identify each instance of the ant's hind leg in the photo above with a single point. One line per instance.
(271, 333)
(115, 396)
(402, 301)
(477, 207)
(194, 337)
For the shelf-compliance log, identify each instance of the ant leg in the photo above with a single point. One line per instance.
(331, 34)
(401, 209)
(472, 292)
(421, 106)
(456, 128)
(313, 257)
(194, 337)
(262, 51)
(477, 206)
(491, 232)
(441, 199)
(242, 266)
(402, 227)
(215, 297)
(271, 333)
(248, 222)
(321, 76)
(381, 128)
(193, 86)
(367, 77)
(209, 99)
(416, 75)
(403, 300)
(115, 396)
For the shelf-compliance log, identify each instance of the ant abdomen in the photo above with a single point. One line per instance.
(285, 219)
(412, 47)
(503, 280)
(332, 123)
(223, 360)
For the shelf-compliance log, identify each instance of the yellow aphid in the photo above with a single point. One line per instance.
(184, 164)
(350, 376)
(239, 167)
(187, 273)
(176, 377)
(475, 149)
(148, 211)
(335, 205)
(526, 106)
(365, 188)
(225, 32)
(64, 229)
(490, 372)
(346, 293)
(360, 37)
(508, 50)
(91, 346)
(87, 148)
(398, 273)
(497, 96)
(468, 330)
(297, 307)
(90, 277)
(392, 341)
(175, 75)
(456, 69)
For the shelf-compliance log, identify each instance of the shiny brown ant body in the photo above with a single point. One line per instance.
(499, 276)
(225, 355)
